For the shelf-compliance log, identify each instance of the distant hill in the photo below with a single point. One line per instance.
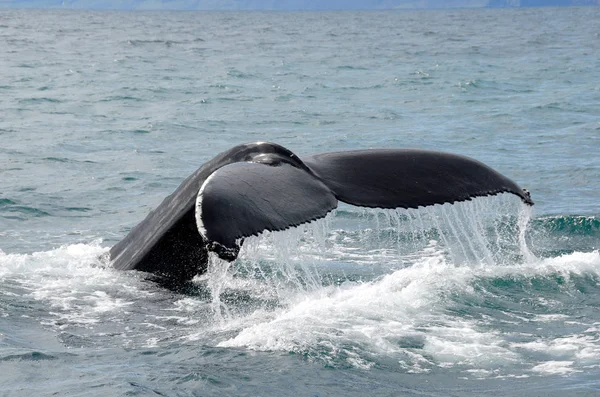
(541, 3)
(286, 4)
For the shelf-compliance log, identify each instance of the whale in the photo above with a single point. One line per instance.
(261, 186)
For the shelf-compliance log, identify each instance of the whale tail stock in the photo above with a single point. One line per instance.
(263, 186)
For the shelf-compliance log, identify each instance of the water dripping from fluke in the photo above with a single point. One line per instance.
(361, 245)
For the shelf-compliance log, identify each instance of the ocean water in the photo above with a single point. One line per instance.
(103, 114)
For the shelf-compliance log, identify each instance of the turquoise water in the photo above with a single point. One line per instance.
(103, 114)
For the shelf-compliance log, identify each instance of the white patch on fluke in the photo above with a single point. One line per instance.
(199, 222)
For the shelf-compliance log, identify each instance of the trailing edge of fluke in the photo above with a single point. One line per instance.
(263, 186)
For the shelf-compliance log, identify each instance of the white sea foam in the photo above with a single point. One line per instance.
(71, 279)
(80, 295)
(378, 316)
(555, 368)
(403, 314)
(408, 308)
(314, 291)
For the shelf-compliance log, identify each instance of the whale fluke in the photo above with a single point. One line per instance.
(262, 186)
(245, 199)
(407, 178)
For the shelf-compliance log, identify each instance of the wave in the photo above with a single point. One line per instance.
(467, 297)
(571, 225)
(452, 288)
(434, 315)
(10, 209)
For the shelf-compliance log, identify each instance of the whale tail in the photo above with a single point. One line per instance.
(244, 199)
(408, 178)
(263, 186)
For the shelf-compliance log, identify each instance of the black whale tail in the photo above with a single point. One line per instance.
(408, 178)
(244, 199)
(263, 186)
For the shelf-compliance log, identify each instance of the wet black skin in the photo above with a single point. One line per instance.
(264, 186)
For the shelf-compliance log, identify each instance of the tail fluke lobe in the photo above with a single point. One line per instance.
(263, 186)
(245, 199)
(407, 178)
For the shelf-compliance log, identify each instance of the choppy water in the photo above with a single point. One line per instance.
(102, 114)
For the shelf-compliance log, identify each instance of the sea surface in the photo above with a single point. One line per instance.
(103, 114)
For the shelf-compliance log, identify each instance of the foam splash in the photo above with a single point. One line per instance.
(72, 279)
(415, 290)
(312, 256)
(328, 308)
(71, 292)
(70, 258)
(405, 317)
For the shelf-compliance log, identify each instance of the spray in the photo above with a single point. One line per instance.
(287, 266)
